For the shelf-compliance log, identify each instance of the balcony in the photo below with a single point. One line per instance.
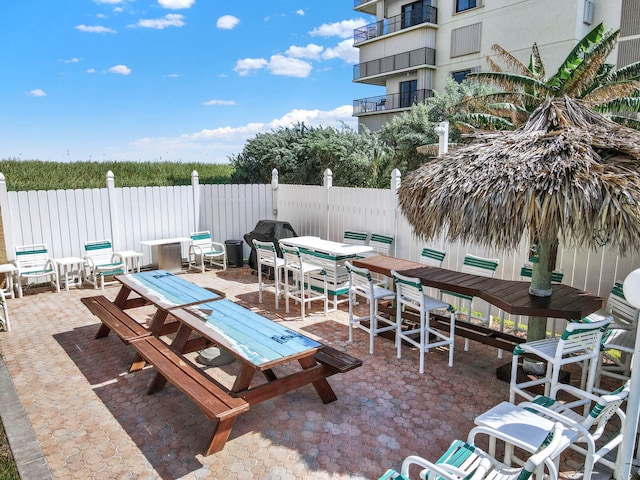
(394, 101)
(357, 3)
(394, 24)
(366, 6)
(394, 63)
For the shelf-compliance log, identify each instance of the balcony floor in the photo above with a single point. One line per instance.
(92, 419)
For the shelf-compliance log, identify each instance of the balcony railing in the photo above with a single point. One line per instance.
(393, 63)
(390, 102)
(394, 24)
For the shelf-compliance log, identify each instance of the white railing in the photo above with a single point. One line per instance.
(65, 219)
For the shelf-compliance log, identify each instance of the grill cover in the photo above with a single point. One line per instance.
(267, 231)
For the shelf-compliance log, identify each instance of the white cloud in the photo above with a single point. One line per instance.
(71, 60)
(91, 70)
(36, 92)
(289, 67)
(344, 51)
(300, 12)
(227, 22)
(101, 16)
(246, 65)
(208, 103)
(311, 51)
(169, 20)
(108, 1)
(94, 29)
(217, 144)
(172, 75)
(120, 70)
(343, 29)
(176, 4)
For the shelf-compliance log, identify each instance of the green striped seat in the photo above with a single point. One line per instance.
(101, 261)
(203, 249)
(463, 461)
(33, 263)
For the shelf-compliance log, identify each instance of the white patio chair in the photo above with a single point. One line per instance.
(203, 249)
(101, 261)
(352, 237)
(33, 262)
(381, 244)
(300, 289)
(485, 267)
(433, 258)
(267, 257)
(579, 343)
(524, 423)
(410, 296)
(619, 341)
(361, 285)
(4, 317)
(463, 460)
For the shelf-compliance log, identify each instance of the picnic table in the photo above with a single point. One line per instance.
(259, 344)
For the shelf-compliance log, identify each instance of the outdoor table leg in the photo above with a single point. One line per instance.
(322, 386)
(244, 378)
(157, 322)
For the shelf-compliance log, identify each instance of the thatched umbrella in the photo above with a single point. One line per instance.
(567, 174)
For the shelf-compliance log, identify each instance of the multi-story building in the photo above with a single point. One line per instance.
(411, 47)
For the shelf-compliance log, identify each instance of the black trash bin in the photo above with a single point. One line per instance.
(234, 253)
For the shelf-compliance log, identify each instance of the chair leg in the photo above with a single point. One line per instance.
(276, 278)
(286, 289)
(423, 321)
(514, 378)
(373, 323)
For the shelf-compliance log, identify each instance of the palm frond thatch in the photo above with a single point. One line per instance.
(567, 173)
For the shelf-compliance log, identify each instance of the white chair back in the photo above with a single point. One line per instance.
(432, 257)
(381, 244)
(355, 238)
(101, 252)
(32, 257)
(408, 289)
(475, 265)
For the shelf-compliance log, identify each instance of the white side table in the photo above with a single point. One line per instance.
(70, 266)
(10, 271)
(132, 260)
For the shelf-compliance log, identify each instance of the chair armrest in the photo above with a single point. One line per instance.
(117, 258)
(582, 396)
(218, 246)
(50, 265)
(195, 249)
(89, 261)
(558, 417)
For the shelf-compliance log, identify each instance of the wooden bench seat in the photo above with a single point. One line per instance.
(116, 319)
(210, 396)
(337, 360)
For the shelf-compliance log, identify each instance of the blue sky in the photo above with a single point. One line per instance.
(174, 80)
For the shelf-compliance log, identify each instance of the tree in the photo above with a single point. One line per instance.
(301, 154)
(584, 75)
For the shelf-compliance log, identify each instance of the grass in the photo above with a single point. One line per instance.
(8, 470)
(22, 175)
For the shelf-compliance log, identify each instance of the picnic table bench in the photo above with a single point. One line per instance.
(210, 396)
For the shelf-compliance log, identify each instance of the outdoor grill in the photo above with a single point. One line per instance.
(267, 231)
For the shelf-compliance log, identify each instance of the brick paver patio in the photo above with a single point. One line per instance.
(92, 419)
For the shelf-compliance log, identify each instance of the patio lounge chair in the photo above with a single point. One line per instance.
(203, 249)
(524, 425)
(465, 461)
(33, 262)
(101, 261)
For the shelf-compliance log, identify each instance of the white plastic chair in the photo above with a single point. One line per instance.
(352, 237)
(579, 343)
(300, 290)
(432, 257)
(4, 318)
(33, 262)
(101, 261)
(618, 342)
(463, 460)
(203, 249)
(267, 256)
(585, 432)
(381, 244)
(485, 267)
(410, 296)
(361, 285)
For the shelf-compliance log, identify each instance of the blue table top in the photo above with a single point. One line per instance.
(167, 290)
(250, 336)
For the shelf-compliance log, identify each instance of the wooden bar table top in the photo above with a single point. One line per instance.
(512, 296)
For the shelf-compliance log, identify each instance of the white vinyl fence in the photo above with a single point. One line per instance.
(65, 219)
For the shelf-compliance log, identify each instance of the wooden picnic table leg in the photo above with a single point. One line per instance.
(244, 378)
(179, 341)
(322, 386)
(157, 322)
(220, 435)
(120, 300)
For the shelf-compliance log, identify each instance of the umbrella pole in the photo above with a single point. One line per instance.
(545, 261)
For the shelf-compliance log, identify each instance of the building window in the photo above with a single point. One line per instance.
(460, 75)
(408, 93)
(462, 5)
(416, 13)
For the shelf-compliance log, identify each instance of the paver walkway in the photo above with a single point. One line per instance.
(92, 419)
